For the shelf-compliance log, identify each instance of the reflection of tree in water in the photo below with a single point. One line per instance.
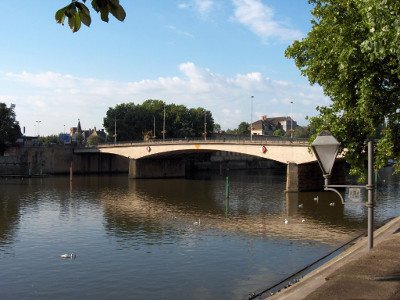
(9, 214)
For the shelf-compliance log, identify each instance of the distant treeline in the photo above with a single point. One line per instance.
(144, 121)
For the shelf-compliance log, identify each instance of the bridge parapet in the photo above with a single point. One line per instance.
(284, 151)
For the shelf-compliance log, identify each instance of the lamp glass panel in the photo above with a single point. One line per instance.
(327, 155)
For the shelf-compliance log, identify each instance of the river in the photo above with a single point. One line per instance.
(168, 239)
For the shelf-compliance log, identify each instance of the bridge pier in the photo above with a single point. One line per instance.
(157, 168)
(308, 176)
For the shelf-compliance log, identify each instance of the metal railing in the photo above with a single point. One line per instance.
(236, 140)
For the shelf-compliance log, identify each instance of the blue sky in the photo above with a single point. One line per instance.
(214, 54)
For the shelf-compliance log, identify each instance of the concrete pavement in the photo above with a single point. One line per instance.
(356, 273)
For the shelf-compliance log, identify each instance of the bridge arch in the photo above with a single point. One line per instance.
(164, 159)
(281, 152)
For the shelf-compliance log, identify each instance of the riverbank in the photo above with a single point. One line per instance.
(356, 273)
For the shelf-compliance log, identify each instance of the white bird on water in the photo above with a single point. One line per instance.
(286, 221)
(71, 256)
(332, 204)
(301, 205)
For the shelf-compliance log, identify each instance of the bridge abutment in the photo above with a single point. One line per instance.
(157, 168)
(308, 177)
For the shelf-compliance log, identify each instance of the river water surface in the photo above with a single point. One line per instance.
(168, 239)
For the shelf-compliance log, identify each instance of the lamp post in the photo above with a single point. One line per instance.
(325, 148)
(115, 130)
(291, 119)
(154, 127)
(251, 119)
(38, 122)
(163, 130)
(205, 125)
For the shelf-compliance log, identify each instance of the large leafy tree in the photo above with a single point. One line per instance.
(77, 12)
(134, 121)
(9, 127)
(352, 53)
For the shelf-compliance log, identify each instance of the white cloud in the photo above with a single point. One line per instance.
(203, 7)
(259, 18)
(60, 99)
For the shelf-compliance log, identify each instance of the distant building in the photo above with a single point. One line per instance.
(81, 136)
(267, 126)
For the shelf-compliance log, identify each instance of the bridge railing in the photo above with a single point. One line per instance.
(257, 140)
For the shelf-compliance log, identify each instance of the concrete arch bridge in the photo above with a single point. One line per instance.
(157, 159)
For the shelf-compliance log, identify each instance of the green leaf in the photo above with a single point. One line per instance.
(85, 18)
(70, 10)
(84, 14)
(104, 15)
(118, 12)
(60, 15)
(75, 22)
(82, 7)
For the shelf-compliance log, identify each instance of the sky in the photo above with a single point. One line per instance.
(214, 54)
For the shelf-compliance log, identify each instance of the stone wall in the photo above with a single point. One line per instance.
(57, 160)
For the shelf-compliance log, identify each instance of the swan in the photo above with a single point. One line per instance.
(303, 220)
(301, 205)
(72, 255)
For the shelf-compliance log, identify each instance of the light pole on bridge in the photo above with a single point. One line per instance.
(205, 125)
(291, 119)
(251, 119)
(38, 122)
(163, 131)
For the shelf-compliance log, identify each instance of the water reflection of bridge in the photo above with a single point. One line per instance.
(156, 216)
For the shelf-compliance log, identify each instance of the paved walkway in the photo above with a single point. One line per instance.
(356, 273)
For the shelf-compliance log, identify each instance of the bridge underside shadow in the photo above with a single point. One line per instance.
(308, 176)
(299, 177)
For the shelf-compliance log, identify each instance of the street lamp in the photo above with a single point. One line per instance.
(163, 130)
(115, 129)
(205, 125)
(154, 127)
(291, 119)
(38, 122)
(325, 148)
(251, 119)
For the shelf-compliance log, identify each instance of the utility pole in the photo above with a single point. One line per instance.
(38, 122)
(115, 130)
(291, 119)
(163, 131)
(154, 127)
(251, 119)
(205, 125)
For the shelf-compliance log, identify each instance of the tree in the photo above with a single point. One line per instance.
(9, 127)
(243, 128)
(217, 128)
(352, 53)
(94, 140)
(278, 132)
(77, 12)
(50, 140)
(135, 121)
